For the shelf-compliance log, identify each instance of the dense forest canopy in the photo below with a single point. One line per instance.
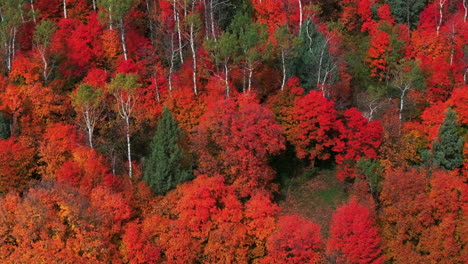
(234, 131)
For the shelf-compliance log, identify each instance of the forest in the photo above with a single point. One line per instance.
(234, 131)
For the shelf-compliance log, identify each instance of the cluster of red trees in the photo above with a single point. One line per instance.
(366, 87)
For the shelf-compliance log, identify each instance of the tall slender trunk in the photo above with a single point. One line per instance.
(322, 53)
(179, 33)
(300, 16)
(33, 11)
(402, 102)
(465, 76)
(10, 47)
(226, 77)
(283, 82)
(110, 18)
(439, 22)
(156, 87)
(243, 79)
(122, 36)
(194, 58)
(44, 70)
(251, 69)
(465, 6)
(89, 126)
(94, 5)
(171, 67)
(65, 8)
(129, 153)
(212, 21)
(452, 51)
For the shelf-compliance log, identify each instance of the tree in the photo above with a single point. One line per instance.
(354, 237)
(296, 240)
(236, 136)
(116, 11)
(312, 61)
(124, 88)
(359, 138)
(252, 39)
(314, 132)
(16, 165)
(406, 11)
(224, 52)
(285, 45)
(56, 224)
(11, 12)
(42, 36)
(407, 77)
(167, 165)
(447, 148)
(86, 100)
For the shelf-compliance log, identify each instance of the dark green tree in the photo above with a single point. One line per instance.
(407, 11)
(167, 164)
(447, 149)
(311, 60)
(372, 170)
(4, 127)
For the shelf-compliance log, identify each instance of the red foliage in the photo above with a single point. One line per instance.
(354, 237)
(16, 165)
(421, 214)
(314, 134)
(234, 138)
(296, 240)
(377, 55)
(137, 247)
(359, 138)
(57, 147)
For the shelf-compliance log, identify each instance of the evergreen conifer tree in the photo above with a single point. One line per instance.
(166, 165)
(447, 148)
(311, 60)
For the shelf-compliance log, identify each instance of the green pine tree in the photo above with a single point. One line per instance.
(407, 11)
(447, 148)
(166, 165)
(311, 60)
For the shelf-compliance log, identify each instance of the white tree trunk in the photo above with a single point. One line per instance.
(465, 6)
(122, 36)
(194, 58)
(439, 22)
(65, 8)
(402, 101)
(300, 16)
(129, 153)
(33, 11)
(94, 5)
(156, 87)
(110, 18)
(179, 33)
(251, 69)
(283, 82)
(322, 53)
(226, 79)
(171, 67)
(89, 120)
(44, 61)
(212, 21)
